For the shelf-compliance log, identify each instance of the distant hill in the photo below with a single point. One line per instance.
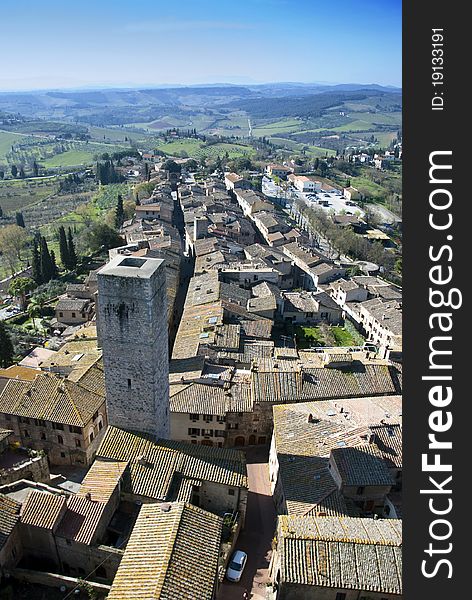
(124, 106)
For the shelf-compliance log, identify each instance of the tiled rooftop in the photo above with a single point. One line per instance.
(362, 466)
(43, 509)
(322, 383)
(172, 554)
(81, 520)
(50, 398)
(76, 355)
(92, 379)
(303, 447)
(333, 421)
(102, 479)
(341, 553)
(153, 466)
(19, 372)
(197, 398)
(9, 515)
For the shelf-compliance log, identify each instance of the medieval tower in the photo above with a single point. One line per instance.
(132, 324)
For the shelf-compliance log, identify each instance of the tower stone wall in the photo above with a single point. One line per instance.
(133, 334)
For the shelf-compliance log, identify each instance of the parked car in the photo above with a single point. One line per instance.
(236, 566)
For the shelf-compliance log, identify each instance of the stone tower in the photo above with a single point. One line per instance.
(132, 324)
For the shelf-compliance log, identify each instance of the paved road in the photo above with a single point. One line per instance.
(256, 539)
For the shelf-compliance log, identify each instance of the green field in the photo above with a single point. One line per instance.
(91, 210)
(342, 336)
(7, 139)
(318, 152)
(332, 335)
(113, 134)
(384, 137)
(17, 194)
(369, 188)
(70, 158)
(179, 147)
(370, 121)
(198, 149)
(278, 127)
(233, 150)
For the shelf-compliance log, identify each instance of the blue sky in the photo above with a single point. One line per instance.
(74, 43)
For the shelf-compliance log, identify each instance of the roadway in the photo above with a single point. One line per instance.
(256, 538)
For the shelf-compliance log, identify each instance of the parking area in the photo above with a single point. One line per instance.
(330, 201)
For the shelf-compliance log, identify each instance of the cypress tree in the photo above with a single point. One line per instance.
(119, 213)
(45, 261)
(63, 248)
(1, 209)
(54, 269)
(71, 250)
(20, 220)
(6, 347)
(36, 263)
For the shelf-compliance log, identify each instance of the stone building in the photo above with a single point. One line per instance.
(173, 552)
(337, 457)
(63, 418)
(74, 311)
(333, 558)
(214, 479)
(230, 405)
(10, 545)
(69, 533)
(132, 327)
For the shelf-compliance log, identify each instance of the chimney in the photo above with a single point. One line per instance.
(299, 380)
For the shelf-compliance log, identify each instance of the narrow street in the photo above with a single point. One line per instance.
(186, 272)
(256, 539)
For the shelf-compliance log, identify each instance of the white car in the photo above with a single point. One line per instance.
(236, 566)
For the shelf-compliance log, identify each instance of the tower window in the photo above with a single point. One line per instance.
(129, 384)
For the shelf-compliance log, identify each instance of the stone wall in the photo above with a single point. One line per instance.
(132, 322)
(54, 580)
(250, 428)
(74, 449)
(34, 469)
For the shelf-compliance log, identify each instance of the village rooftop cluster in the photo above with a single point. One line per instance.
(217, 332)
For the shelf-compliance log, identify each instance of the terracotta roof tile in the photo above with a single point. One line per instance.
(154, 466)
(341, 553)
(43, 509)
(81, 520)
(9, 515)
(50, 398)
(170, 555)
